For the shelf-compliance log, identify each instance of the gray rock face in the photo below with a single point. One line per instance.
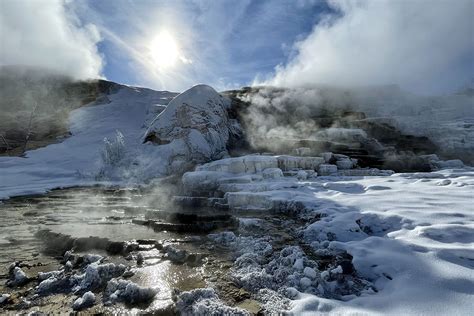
(194, 128)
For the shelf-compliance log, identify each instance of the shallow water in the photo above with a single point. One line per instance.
(98, 212)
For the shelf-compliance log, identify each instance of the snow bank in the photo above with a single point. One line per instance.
(388, 241)
(414, 244)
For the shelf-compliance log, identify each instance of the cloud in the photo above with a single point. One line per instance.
(48, 34)
(422, 45)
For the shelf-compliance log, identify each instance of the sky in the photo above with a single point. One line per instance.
(425, 46)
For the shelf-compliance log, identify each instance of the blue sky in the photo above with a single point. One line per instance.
(229, 42)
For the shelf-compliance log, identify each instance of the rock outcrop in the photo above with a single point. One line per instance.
(194, 128)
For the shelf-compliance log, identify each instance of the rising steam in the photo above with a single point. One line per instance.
(423, 46)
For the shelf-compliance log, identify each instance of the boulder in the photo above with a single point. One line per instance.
(194, 128)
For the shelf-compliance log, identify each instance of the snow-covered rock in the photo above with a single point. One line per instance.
(202, 302)
(4, 298)
(194, 128)
(87, 300)
(286, 163)
(98, 274)
(449, 164)
(327, 169)
(17, 277)
(272, 173)
(128, 292)
(243, 164)
(344, 164)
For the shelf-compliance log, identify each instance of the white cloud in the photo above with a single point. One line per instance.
(47, 34)
(422, 45)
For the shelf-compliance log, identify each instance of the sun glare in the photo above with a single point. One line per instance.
(164, 50)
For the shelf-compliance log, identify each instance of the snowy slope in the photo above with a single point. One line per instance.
(75, 160)
(410, 236)
(424, 263)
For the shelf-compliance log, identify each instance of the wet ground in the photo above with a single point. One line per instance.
(113, 215)
(132, 227)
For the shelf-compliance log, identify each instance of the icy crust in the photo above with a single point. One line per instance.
(203, 302)
(194, 128)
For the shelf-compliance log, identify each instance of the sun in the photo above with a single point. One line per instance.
(164, 50)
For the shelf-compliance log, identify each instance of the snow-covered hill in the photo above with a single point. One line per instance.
(132, 137)
(77, 159)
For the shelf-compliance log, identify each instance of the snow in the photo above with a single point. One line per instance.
(198, 118)
(107, 147)
(409, 235)
(98, 274)
(128, 292)
(4, 298)
(327, 169)
(420, 259)
(87, 300)
(204, 302)
(77, 159)
(17, 277)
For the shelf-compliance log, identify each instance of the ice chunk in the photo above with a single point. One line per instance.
(175, 254)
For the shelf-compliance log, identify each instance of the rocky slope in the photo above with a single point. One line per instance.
(381, 126)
